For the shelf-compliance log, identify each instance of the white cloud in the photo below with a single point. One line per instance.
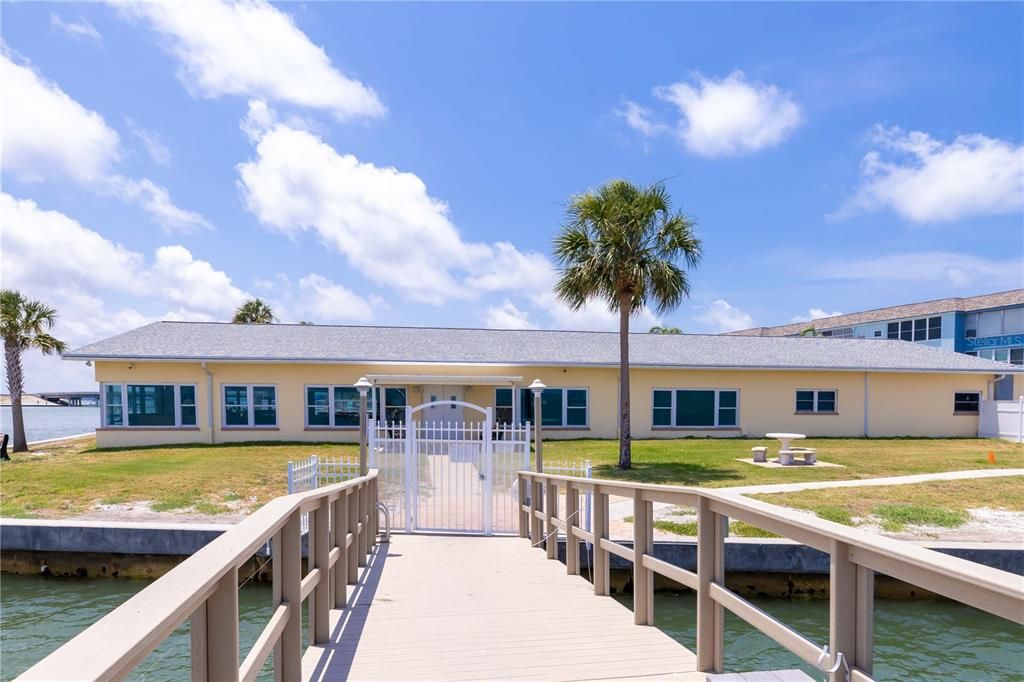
(328, 301)
(76, 28)
(156, 201)
(719, 316)
(507, 316)
(729, 117)
(46, 135)
(814, 314)
(381, 219)
(954, 269)
(639, 119)
(53, 257)
(926, 180)
(194, 283)
(151, 142)
(595, 316)
(253, 49)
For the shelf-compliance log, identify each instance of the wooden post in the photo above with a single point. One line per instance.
(320, 614)
(524, 517)
(572, 543)
(849, 610)
(710, 619)
(360, 543)
(199, 633)
(340, 522)
(291, 594)
(535, 506)
(643, 578)
(352, 502)
(550, 512)
(601, 577)
(864, 651)
(275, 597)
(222, 629)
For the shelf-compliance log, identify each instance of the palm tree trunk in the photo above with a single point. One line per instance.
(625, 447)
(15, 385)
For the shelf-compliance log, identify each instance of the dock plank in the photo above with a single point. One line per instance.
(474, 608)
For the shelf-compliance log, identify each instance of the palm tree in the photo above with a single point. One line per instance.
(24, 324)
(621, 245)
(665, 330)
(254, 311)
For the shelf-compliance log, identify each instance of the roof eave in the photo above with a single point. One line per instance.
(80, 357)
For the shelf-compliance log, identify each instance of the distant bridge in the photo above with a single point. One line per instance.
(72, 397)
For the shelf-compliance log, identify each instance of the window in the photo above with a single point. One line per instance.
(1017, 356)
(695, 408)
(966, 403)
(812, 401)
(839, 333)
(335, 406)
(152, 405)
(971, 326)
(921, 329)
(252, 406)
(559, 407)
(990, 323)
(394, 404)
(503, 405)
(1013, 320)
(878, 333)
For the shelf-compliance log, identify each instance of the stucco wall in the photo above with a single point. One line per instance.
(899, 404)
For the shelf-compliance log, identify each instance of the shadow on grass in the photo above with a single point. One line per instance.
(679, 473)
(228, 446)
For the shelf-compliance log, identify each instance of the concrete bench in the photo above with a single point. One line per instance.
(760, 454)
(807, 455)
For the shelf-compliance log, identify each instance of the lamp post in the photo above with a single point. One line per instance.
(538, 388)
(363, 386)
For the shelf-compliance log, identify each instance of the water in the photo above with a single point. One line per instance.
(38, 614)
(44, 423)
(921, 640)
(914, 640)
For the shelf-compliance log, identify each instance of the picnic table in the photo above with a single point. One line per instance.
(785, 438)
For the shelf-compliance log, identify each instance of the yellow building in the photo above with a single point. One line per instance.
(189, 382)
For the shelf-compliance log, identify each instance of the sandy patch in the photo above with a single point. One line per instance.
(141, 511)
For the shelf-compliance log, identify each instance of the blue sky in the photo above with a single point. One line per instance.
(409, 164)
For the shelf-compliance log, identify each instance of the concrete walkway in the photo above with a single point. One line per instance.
(889, 480)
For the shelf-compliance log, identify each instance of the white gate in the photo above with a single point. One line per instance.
(450, 476)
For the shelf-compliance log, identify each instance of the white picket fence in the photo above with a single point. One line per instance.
(317, 471)
(1001, 419)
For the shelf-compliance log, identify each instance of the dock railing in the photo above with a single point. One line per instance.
(855, 557)
(204, 589)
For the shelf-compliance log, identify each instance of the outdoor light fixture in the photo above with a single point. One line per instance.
(537, 387)
(363, 385)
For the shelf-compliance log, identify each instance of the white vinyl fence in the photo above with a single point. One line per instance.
(1001, 419)
(579, 469)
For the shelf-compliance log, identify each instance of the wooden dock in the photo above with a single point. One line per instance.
(462, 608)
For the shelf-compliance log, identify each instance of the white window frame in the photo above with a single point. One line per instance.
(672, 408)
(816, 409)
(912, 321)
(518, 391)
(251, 408)
(370, 406)
(976, 392)
(124, 404)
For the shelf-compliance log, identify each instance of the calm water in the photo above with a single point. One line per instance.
(39, 614)
(43, 423)
(921, 640)
(915, 640)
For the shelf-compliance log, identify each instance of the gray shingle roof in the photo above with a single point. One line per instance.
(305, 343)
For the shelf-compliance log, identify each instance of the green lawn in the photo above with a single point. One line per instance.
(943, 504)
(71, 479)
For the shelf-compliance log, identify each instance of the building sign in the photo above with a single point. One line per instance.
(1005, 341)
